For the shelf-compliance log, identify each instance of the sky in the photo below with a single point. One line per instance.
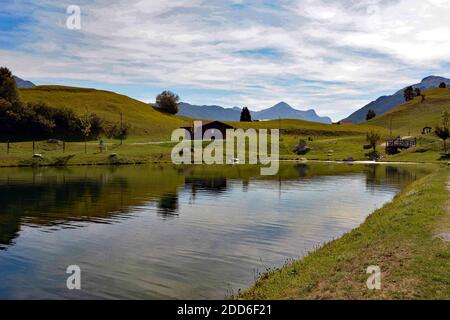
(333, 56)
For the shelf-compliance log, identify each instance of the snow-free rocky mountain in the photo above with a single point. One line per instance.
(281, 110)
(386, 103)
(22, 84)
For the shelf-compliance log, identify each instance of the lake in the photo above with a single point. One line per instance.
(167, 232)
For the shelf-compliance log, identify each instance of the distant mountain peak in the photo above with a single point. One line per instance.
(23, 83)
(282, 105)
(433, 78)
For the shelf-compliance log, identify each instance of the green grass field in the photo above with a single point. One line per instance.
(401, 238)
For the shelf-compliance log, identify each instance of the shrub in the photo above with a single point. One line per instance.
(370, 114)
(372, 138)
(167, 101)
(117, 131)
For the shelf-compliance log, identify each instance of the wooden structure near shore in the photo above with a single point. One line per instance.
(393, 145)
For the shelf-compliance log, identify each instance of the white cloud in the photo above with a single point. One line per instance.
(334, 56)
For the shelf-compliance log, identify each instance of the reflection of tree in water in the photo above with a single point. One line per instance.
(213, 184)
(208, 185)
(377, 175)
(9, 229)
(302, 169)
(371, 176)
(51, 201)
(47, 197)
(400, 175)
(168, 205)
(245, 185)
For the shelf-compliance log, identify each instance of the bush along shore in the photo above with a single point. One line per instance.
(408, 239)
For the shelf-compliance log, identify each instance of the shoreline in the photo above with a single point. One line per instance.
(144, 162)
(363, 162)
(400, 237)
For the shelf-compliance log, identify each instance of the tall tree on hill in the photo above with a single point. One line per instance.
(373, 138)
(370, 114)
(417, 92)
(442, 85)
(408, 93)
(8, 87)
(245, 115)
(167, 101)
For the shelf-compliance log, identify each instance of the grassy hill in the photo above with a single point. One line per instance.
(143, 119)
(413, 116)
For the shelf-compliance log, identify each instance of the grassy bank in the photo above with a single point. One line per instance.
(400, 238)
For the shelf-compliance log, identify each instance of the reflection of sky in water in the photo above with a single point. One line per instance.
(220, 232)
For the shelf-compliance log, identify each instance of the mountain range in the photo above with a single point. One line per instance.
(386, 103)
(281, 110)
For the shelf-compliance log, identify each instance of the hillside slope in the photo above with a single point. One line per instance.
(385, 103)
(142, 118)
(413, 116)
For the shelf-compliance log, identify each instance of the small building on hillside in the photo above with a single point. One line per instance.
(394, 145)
(209, 130)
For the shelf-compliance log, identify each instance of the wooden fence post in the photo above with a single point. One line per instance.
(33, 146)
(64, 146)
(7, 147)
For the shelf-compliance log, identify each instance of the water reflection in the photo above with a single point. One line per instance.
(175, 232)
(168, 205)
(57, 196)
(302, 169)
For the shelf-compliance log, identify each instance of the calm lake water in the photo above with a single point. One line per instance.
(165, 232)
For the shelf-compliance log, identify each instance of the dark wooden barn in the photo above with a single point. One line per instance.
(209, 130)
